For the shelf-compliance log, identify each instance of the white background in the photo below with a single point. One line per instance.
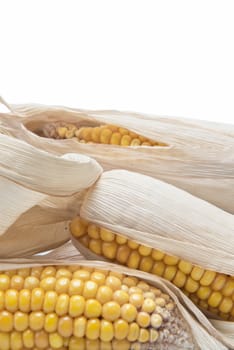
(164, 57)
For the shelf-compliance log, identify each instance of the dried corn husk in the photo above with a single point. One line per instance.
(205, 336)
(164, 217)
(199, 156)
(39, 193)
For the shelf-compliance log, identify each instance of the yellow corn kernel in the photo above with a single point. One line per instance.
(6, 321)
(50, 301)
(93, 231)
(219, 282)
(158, 268)
(157, 255)
(106, 331)
(105, 136)
(76, 305)
(93, 329)
(148, 305)
(37, 299)
(62, 305)
(28, 338)
(17, 282)
(51, 322)
(121, 297)
(4, 282)
(144, 251)
(24, 300)
(111, 311)
(144, 336)
(191, 286)
(130, 281)
(203, 293)
(48, 271)
(95, 134)
(207, 278)
(136, 299)
(90, 289)
(16, 341)
(61, 132)
(11, 300)
(226, 305)
(107, 235)
(65, 326)
(20, 321)
(48, 283)
(160, 301)
(95, 245)
(170, 272)
(63, 272)
(104, 294)
(121, 240)
(123, 131)
(133, 332)
(146, 264)
(98, 278)
(170, 260)
(179, 279)
(228, 289)
(77, 227)
(215, 299)
(76, 287)
(134, 260)
(128, 312)
(197, 273)
(123, 253)
(113, 282)
(79, 327)
(132, 244)
(115, 138)
(109, 250)
(62, 285)
(93, 308)
(143, 319)
(86, 134)
(4, 341)
(185, 266)
(121, 329)
(55, 340)
(41, 340)
(36, 320)
(31, 282)
(156, 320)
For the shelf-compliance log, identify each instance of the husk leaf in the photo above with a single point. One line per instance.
(199, 156)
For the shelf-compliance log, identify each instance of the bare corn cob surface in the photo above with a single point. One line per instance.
(76, 308)
(103, 134)
(209, 290)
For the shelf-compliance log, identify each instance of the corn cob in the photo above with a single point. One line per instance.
(103, 134)
(78, 307)
(209, 290)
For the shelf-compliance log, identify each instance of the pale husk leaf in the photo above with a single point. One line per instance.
(39, 195)
(164, 217)
(199, 156)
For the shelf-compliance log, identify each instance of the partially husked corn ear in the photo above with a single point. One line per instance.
(210, 290)
(75, 307)
(103, 134)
